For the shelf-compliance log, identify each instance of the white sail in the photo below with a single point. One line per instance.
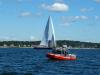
(49, 35)
(53, 42)
(45, 39)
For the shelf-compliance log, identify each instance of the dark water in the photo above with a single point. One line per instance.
(28, 61)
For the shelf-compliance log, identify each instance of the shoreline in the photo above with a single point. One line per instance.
(84, 48)
(33, 48)
(16, 47)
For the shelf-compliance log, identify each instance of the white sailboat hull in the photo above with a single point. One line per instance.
(42, 47)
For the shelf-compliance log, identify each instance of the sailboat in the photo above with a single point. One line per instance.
(48, 40)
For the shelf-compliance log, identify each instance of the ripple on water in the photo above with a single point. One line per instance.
(24, 61)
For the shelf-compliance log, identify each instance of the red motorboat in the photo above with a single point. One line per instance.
(61, 57)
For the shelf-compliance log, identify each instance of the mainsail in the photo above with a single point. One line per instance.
(49, 35)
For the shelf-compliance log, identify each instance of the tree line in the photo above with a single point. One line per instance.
(60, 43)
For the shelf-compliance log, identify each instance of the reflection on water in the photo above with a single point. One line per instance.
(26, 61)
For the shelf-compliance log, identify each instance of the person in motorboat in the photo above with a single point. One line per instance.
(60, 50)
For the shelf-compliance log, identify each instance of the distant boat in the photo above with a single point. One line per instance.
(48, 40)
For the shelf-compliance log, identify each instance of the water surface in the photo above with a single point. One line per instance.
(28, 61)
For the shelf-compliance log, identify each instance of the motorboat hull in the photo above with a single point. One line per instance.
(61, 57)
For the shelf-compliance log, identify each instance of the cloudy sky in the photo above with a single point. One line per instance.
(73, 19)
